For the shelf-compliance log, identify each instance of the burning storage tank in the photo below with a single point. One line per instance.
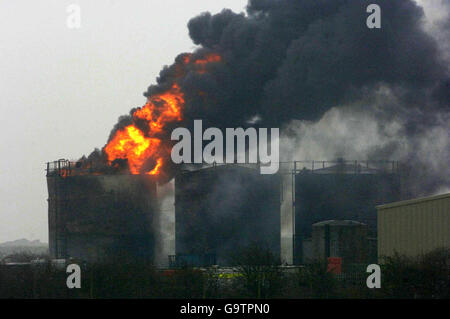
(100, 217)
(341, 190)
(222, 209)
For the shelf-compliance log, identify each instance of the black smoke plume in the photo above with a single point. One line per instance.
(296, 59)
(287, 60)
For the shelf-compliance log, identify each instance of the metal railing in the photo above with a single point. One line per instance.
(65, 167)
(347, 166)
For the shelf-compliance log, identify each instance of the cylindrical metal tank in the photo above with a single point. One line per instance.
(99, 218)
(340, 238)
(342, 190)
(220, 210)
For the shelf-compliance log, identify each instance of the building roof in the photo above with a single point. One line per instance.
(413, 201)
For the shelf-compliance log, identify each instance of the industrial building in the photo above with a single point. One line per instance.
(99, 217)
(414, 227)
(340, 190)
(222, 209)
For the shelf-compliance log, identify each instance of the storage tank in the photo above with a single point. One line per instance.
(341, 190)
(221, 209)
(346, 239)
(414, 227)
(100, 217)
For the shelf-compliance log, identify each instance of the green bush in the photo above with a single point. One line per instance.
(427, 276)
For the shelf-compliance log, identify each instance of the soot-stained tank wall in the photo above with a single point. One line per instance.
(340, 193)
(222, 209)
(101, 217)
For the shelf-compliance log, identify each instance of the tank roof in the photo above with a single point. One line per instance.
(333, 222)
(347, 168)
(194, 168)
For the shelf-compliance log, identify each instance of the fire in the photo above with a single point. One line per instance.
(155, 171)
(211, 58)
(161, 109)
(143, 144)
(131, 144)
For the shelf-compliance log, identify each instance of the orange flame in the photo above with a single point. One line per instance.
(210, 58)
(137, 146)
(155, 171)
(131, 144)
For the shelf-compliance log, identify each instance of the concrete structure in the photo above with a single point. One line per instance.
(222, 209)
(414, 227)
(340, 238)
(100, 218)
(340, 190)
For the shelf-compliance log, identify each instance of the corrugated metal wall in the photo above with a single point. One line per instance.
(414, 227)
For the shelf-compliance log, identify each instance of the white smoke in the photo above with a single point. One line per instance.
(368, 130)
(166, 223)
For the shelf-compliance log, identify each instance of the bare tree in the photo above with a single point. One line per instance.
(260, 270)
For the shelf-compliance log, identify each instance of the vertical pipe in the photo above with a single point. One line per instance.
(294, 261)
(55, 216)
(327, 241)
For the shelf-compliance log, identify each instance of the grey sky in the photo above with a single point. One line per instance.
(62, 90)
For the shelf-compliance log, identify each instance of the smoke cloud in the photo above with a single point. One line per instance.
(335, 87)
(165, 224)
(297, 59)
(368, 130)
